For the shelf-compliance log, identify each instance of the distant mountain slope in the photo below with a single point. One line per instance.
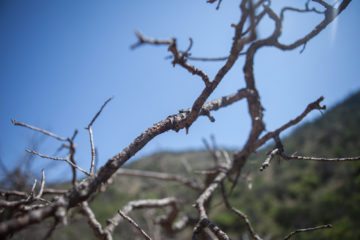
(301, 194)
(286, 196)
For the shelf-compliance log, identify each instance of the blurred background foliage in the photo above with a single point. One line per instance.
(286, 196)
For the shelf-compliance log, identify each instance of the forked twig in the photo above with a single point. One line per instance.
(64, 159)
(92, 145)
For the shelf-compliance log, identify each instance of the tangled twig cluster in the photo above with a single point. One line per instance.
(24, 209)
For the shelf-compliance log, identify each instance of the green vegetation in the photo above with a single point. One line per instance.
(286, 196)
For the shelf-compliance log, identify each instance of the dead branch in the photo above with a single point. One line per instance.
(64, 159)
(48, 191)
(307, 230)
(245, 43)
(132, 222)
(142, 40)
(253, 234)
(250, 228)
(142, 204)
(266, 163)
(91, 136)
(42, 185)
(43, 131)
(320, 159)
(204, 222)
(310, 107)
(93, 222)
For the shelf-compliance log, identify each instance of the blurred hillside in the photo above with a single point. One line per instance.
(286, 196)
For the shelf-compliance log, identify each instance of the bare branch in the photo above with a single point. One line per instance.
(320, 159)
(207, 59)
(72, 151)
(254, 235)
(206, 223)
(245, 38)
(307, 230)
(12, 204)
(142, 40)
(266, 163)
(58, 159)
(209, 191)
(89, 128)
(55, 191)
(181, 59)
(204, 197)
(251, 230)
(330, 14)
(93, 222)
(93, 152)
(49, 191)
(42, 185)
(141, 204)
(32, 192)
(83, 190)
(99, 112)
(312, 106)
(45, 132)
(132, 222)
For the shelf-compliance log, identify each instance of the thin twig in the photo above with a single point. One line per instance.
(72, 151)
(93, 152)
(146, 203)
(65, 159)
(307, 230)
(267, 161)
(42, 184)
(254, 235)
(32, 191)
(251, 230)
(205, 196)
(142, 40)
(89, 128)
(46, 132)
(206, 223)
(132, 222)
(316, 105)
(320, 159)
(99, 112)
(5, 193)
(93, 222)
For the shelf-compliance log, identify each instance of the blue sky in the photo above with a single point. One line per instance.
(60, 60)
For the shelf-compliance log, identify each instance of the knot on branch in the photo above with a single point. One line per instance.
(177, 121)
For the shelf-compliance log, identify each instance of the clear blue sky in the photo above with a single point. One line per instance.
(60, 60)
